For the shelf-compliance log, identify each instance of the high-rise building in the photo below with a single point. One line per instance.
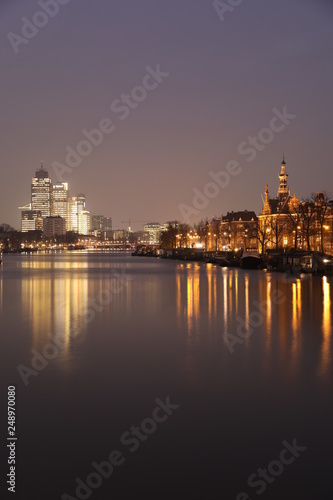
(97, 222)
(107, 224)
(100, 224)
(60, 202)
(41, 192)
(31, 220)
(84, 223)
(54, 226)
(79, 217)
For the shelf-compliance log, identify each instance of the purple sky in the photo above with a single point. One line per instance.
(225, 79)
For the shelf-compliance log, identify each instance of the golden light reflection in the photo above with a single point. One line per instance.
(179, 298)
(294, 308)
(230, 292)
(247, 301)
(61, 264)
(193, 298)
(236, 290)
(268, 311)
(269, 304)
(209, 284)
(326, 326)
(225, 299)
(215, 294)
(56, 306)
(189, 301)
(296, 324)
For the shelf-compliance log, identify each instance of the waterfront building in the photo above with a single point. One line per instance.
(239, 231)
(275, 221)
(101, 226)
(41, 192)
(107, 224)
(79, 217)
(120, 235)
(288, 223)
(84, 223)
(60, 202)
(31, 220)
(212, 243)
(141, 237)
(54, 226)
(154, 230)
(97, 222)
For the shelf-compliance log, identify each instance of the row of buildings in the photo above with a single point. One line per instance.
(285, 222)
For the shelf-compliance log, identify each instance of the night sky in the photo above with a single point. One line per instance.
(225, 78)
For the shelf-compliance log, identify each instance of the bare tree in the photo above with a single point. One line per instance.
(307, 210)
(183, 231)
(202, 230)
(295, 218)
(168, 238)
(322, 207)
(264, 232)
(279, 223)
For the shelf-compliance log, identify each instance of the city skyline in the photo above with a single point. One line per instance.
(49, 200)
(59, 203)
(219, 90)
(171, 272)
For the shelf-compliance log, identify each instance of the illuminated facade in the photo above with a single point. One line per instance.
(60, 202)
(41, 192)
(289, 223)
(275, 222)
(212, 243)
(79, 217)
(239, 231)
(48, 200)
(31, 220)
(154, 230)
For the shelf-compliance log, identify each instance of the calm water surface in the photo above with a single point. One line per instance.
(137, 329)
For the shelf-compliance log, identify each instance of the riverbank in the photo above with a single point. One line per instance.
(295, 262)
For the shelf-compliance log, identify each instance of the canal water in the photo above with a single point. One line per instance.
(238, 363)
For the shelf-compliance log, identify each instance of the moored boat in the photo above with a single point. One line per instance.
(250, 261)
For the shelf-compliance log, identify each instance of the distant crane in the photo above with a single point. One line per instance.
(129, 221)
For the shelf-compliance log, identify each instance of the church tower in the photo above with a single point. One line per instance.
(267, 207)
(283, 191)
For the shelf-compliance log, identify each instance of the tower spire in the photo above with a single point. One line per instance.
(266, 208)
(283, 191)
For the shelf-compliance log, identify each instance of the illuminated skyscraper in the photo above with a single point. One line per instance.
(85, 223)
(41, 192)
(79, 217)
(60, 205)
